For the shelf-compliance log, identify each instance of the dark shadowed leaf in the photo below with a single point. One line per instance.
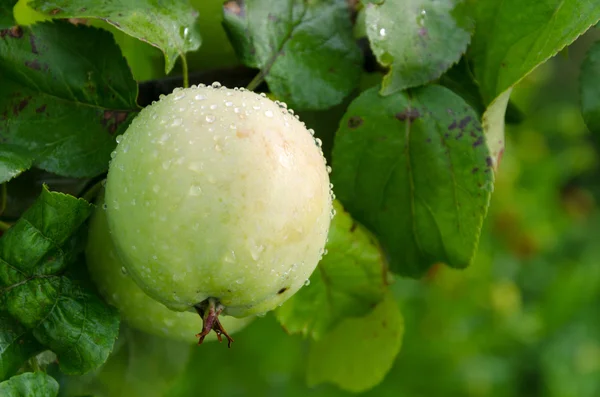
(417, 39)
(24, 190)
(460, 79)
(13, 160)
(305, 50)
(590, 88)
(61, 314)
(7, 19)
(169, 26)
(66, 91)
(142, 366)
(17, 345)
(235, 24)
(414, 169)
(350, 280)
(29, 384)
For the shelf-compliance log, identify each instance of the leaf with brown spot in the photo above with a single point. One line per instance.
(409, 114)
(53, 115)
(415, 189)
(14, 32)
(35, 64)
(354, 122)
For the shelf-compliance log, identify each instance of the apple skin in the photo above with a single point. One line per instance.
(219, 193)
(136, 308)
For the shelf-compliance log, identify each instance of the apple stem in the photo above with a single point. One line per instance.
(209, 310)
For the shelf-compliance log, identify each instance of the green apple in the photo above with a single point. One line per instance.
(136, 308)
(219, 201)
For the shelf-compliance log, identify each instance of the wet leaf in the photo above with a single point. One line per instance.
(173, 28)
(66, 93)
(306, 51)
(418, 39)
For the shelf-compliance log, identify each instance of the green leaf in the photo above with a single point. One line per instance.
(66, 93)
(305, 51)
(62, 315)
(13, 161)
(512, 37)
(145, 61)
(171, 27)
(7, 19)
(349, 281)
(414, 169)
(417, 39)
(17, 345)
(460, 79)
(589, 87)
(29, 384)
(337, 358)
(25, 189)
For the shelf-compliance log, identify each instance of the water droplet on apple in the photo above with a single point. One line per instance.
(195, 190)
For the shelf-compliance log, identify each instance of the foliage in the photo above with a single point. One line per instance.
(414, 103)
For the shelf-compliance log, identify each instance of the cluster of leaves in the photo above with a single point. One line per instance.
(423, 86)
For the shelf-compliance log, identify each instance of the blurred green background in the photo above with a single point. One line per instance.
(522, 321)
